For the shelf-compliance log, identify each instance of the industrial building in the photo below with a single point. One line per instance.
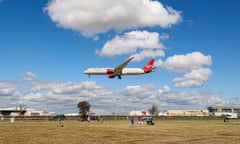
(172, 113)
(17, 111)
(139, 113)
(184, 113)
(12, 111)
(231, 112)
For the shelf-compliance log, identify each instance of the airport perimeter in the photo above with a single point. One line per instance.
(120, 132)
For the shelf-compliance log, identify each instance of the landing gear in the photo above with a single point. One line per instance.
(119, 77)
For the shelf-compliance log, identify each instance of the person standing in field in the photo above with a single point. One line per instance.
(132, 121)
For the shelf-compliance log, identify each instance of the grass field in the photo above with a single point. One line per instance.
(121, 132)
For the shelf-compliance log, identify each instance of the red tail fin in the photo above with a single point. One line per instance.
(149, 67)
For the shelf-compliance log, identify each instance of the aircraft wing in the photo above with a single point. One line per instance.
(118, 70)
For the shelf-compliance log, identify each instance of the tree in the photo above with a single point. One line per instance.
(84, 108)
(22, 109)
(153, 110)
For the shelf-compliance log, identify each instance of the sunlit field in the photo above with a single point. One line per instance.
(121, 132)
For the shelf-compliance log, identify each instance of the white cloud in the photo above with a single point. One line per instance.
(158, 63)
(193, 78)
(148, 53)
(32, 96)
(217, 101)
(30, 76)
(143, 96)
(164, 36)
(139, 91)
(62, 97)
(6, 91)
(193, 65)
(185, 63)
(67, 89)
(148, 43)
(7, 88)
(100, 16)
(165, 89)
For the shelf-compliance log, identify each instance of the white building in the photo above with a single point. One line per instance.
(184, 113)
(24, 111)
(139, 113)
(230, 112)
(33, 112)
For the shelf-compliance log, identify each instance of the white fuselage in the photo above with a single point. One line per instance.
(104, 71)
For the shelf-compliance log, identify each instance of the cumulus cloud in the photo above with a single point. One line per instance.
(217, 101)
(32, 97)
(193, 78)
(185, 63)
(103, 15)
(67, 89)
(29, 76)
(141, 96)
(57, 96)
(6, 91)
(140, 44)
(164, 36)
(7, 88)
(147, 53)
(194, 66)
(63, 97)
(165, 89)
(140, 91)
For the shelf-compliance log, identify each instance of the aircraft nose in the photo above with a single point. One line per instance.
(87, 71)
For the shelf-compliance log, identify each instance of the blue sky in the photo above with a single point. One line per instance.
(46, 45)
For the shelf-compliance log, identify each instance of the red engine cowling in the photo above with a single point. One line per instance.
(110, 71)
(111, 76)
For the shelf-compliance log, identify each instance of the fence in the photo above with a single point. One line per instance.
(111, 117)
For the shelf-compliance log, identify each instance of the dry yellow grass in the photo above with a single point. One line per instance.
(121, 132)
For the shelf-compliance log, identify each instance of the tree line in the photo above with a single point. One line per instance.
(84, 109)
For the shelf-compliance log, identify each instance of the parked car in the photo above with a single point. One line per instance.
(58, 118)
(148, 119)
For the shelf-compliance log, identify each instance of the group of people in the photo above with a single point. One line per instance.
(140, 121)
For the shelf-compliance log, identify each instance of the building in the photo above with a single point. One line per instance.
(138, 113)
(33, 112)
(12, 111)
(231, 112)
(24, 112)
(173, 113)
(184, 113)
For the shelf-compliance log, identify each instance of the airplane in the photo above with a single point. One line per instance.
(121, 70)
